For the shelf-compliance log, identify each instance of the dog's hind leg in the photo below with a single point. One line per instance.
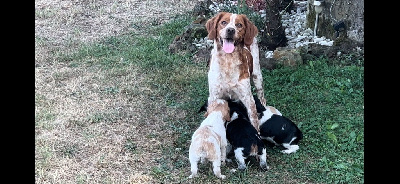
(223, 154)
(290, 148)
(217, 168)
(193, 165)
(193, 169)
(263, 159)
(228, 150)
(240, 158)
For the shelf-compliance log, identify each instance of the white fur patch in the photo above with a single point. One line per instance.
(263, 159)
(239, 153)
(267, 114)
(290, 148)
(234, 116)
(240, 158)
(220, 101)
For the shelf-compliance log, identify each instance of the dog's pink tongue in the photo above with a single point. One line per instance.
(228, 46)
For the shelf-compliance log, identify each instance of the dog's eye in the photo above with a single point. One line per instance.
(239, 25)
(224, 23)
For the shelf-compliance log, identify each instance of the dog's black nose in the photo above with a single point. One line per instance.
(230, 31)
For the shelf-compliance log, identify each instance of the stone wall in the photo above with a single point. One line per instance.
(347, 16)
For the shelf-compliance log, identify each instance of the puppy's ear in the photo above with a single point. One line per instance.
(251, 31)
(211, 25)
(227, 117)
(226, 112)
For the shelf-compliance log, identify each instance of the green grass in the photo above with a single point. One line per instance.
(326, 102)
(324, 99)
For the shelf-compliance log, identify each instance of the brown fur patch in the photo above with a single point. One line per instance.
(212, 25)
(254, 149)
(253, 106)
(246, 68)
(208, 147)
(222, 107)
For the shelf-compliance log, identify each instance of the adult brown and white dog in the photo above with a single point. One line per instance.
(234, 60)
(209, 140)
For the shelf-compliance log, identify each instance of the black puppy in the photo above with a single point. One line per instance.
(242, 136)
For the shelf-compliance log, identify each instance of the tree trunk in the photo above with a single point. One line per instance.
(344, 18)
(274, 34)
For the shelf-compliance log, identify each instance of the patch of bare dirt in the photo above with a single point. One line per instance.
(92, 125)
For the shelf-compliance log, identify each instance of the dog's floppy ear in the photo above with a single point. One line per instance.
(211, 25)
(227, 116)
(251, 31)
(226, 112)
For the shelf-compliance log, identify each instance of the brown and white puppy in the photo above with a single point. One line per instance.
(209, 140)
(234, 61)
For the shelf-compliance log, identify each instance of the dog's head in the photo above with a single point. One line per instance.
(230, 30)
(219, 105)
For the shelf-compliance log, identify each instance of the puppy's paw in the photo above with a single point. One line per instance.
(292, 149)
(295, 147)
(222, 176)
(242, 167)
(223, 163)
(265, 167)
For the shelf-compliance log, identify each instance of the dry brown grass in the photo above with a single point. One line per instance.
(85, 131)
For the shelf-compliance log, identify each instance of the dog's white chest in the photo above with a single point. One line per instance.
(225, 69)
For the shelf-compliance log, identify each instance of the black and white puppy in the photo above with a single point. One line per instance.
(242, 136)
(279, 129)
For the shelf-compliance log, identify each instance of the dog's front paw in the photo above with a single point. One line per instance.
(222, 176)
